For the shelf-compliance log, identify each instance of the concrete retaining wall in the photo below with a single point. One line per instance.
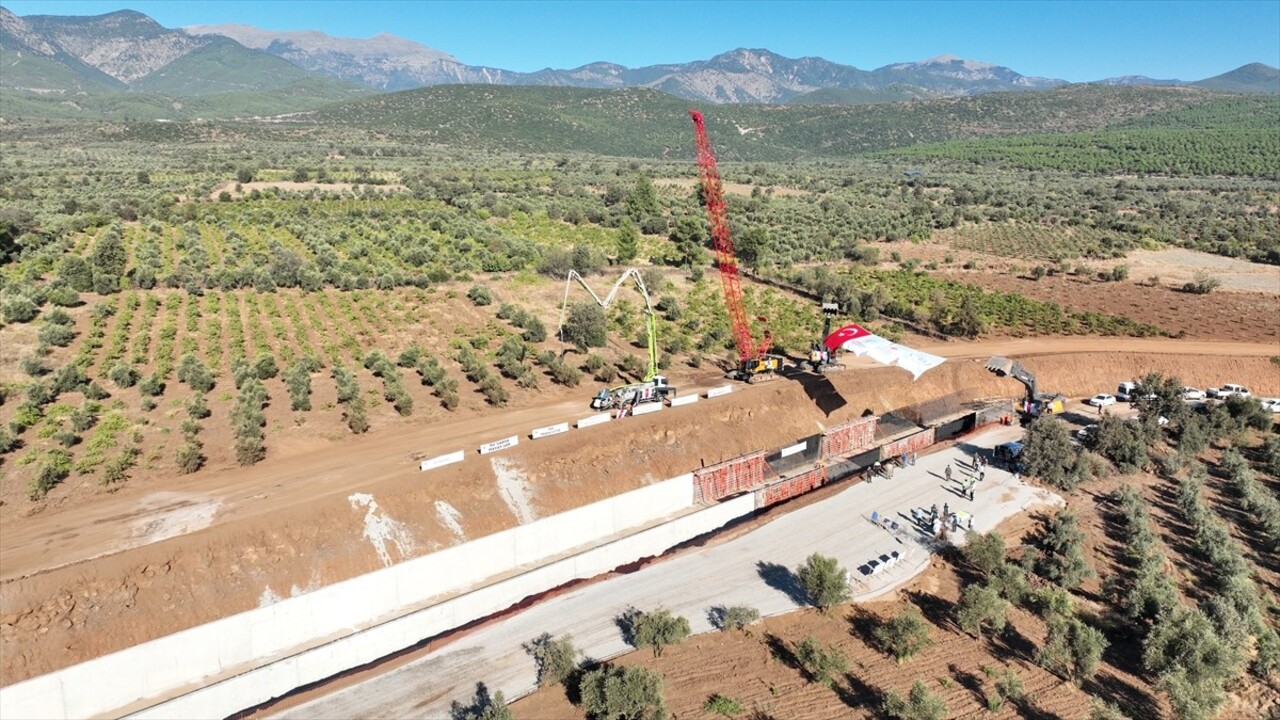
(262, 684)
(243, 642)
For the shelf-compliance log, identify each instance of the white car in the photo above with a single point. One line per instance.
(1101, 400)
(1190, 393)
(1229, 390)
(1272, 404)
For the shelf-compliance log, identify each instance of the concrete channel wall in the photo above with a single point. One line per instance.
(264, 683)
(286, 642)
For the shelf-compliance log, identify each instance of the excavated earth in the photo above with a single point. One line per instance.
(170, 560)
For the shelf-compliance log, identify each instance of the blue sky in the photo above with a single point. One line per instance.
(1075, 41)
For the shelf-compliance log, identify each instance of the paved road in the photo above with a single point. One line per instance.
(748, 570)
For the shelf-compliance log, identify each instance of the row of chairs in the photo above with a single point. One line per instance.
(882, 564)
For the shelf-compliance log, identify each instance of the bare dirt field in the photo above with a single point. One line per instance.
(730, 188)
(179, 551)
(1243, 308)
(1242, 316)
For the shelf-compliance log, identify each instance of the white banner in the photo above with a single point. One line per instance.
(792, 450)
(646, 408)
(594, 420)
(550, 430)
(860, 341)
(441, 461)
(685, 400)
(718, 391)
(502, 444)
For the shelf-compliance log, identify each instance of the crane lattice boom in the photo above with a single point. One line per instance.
(726, 258)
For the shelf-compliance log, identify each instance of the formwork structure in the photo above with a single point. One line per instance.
(791, 487)
(847, 438)
(731, 477)
(911, 443)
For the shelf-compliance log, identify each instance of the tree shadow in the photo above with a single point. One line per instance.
(782, 651)
(1012, 643)
(626, 622)
(780, 578)
(1133, 700)
(1124, 653)
(480, 702)
(934, 609)
(969, 682)
(863, 624)
(716, 615)
(859, 694)
(1029, 710)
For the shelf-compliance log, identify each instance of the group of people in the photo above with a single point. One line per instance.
(938, 523)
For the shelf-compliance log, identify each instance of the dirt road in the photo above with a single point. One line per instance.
(131, 517)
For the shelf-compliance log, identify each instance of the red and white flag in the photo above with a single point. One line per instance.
(860, 341)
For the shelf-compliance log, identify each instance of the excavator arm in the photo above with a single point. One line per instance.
(1003, 366)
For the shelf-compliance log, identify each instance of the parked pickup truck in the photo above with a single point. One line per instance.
(1228, 390)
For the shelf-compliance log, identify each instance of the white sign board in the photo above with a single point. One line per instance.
(792, 450)
(594, 420)
(550, 430)
(435, 462)
(646, 408)
(718, 391)
(502, 444)
(686, 400)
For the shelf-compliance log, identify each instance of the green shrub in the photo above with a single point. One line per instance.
(721, 705)
(494, 392)
(123, 375)
(737, 617)
(8, 442)
(264, 366)
(920, 704)
(54, 334)
(823, 580)
(556, 658)
(355, 415)
(151, 386)
(981, 607)
(190, 456)
(904, 635)
(410, 356)
(656, 629)
(615, 693)
(480, 295)
(18, 309)
(820, 663)
(297, 381)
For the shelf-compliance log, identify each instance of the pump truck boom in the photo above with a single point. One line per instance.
(653, 387)
(755, 362)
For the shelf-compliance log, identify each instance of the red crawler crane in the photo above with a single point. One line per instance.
(755, 362)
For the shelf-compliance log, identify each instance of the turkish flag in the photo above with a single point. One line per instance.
(849, 332)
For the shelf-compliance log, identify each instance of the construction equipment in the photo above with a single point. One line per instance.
(755, 362)
(651, 324)
(653, 387)
(624, 397)
(1035, 403)
(821, 358)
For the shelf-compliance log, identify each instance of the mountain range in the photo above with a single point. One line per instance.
(71, 60)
